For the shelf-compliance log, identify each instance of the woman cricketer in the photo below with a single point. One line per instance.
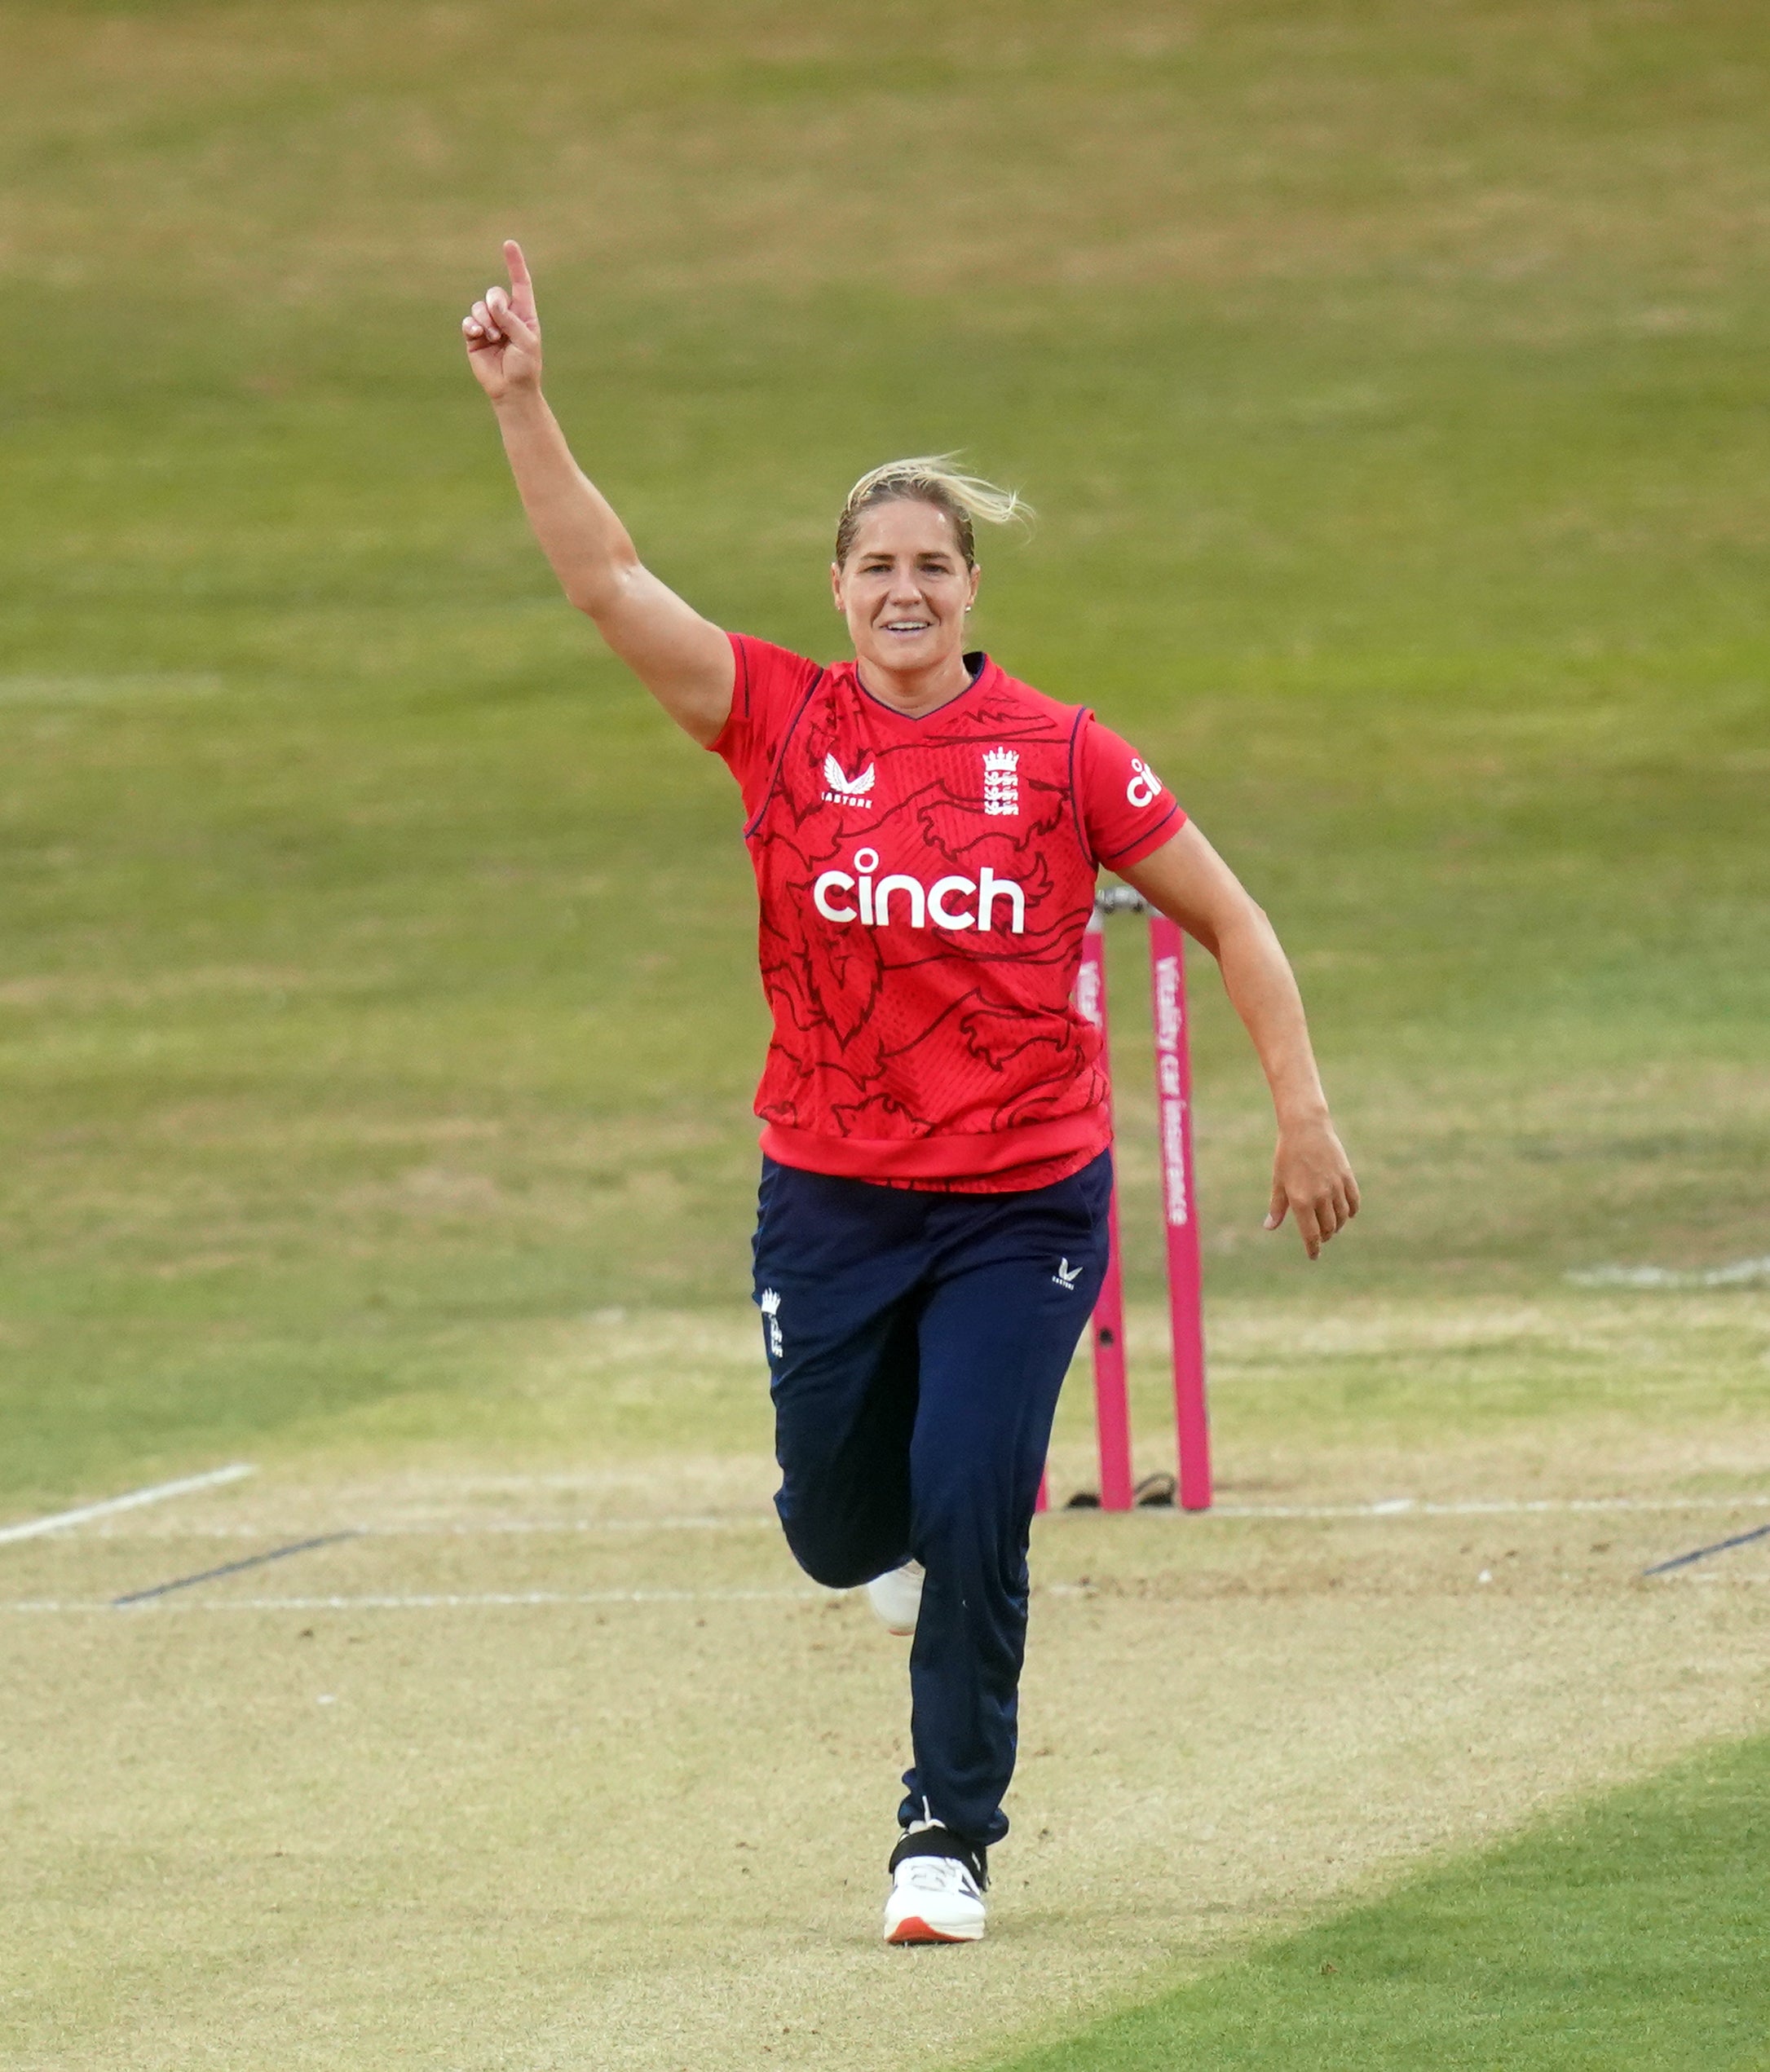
(925, 833)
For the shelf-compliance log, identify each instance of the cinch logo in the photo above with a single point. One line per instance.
(847, 791)
(1144, 786)
(921, 906)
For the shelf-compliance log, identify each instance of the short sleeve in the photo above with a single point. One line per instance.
(767, 690)
(1127, 812)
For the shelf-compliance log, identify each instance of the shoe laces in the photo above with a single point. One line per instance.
(928, 1841)
(940, 1874)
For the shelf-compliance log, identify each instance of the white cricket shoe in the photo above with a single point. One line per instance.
(936, 1888)
(896, 1597)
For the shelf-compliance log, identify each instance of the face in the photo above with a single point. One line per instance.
(905, 589)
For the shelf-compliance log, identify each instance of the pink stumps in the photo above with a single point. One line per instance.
(1173, 1081)
(1173, 1077)
(1112, 1408)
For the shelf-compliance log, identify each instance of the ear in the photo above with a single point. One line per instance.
(836, 588)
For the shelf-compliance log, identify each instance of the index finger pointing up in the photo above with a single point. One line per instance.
(522, 287)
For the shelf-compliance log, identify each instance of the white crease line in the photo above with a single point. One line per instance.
(1408, 1507)
(424, 1602)
(157, 1493)
(456, 1528)
(488, 1485)
(1739, 1274)
(1388, 1507)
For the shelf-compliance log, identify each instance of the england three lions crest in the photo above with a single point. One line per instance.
(1001, 781)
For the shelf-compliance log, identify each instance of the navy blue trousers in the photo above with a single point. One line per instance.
(916, 1343)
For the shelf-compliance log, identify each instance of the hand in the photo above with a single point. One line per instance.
(1312, 1177)
(503, 332)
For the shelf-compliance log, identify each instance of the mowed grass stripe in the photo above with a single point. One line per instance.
(1629, 1935)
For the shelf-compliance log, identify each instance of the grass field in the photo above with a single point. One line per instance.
(1631, 1935)
(377, 1015)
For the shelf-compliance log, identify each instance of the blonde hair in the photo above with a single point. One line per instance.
(930, 478)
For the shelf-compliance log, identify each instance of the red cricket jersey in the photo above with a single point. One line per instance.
(924, 885)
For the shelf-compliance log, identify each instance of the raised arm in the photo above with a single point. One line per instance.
(684, 661)
(1311, 1174)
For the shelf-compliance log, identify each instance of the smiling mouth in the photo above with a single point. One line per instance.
(908, 625)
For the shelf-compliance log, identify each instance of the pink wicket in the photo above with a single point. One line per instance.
(1112, 1401)
(1173, 1073)
(1173, 1084)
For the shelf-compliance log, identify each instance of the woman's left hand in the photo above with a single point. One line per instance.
(1312, 1180)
